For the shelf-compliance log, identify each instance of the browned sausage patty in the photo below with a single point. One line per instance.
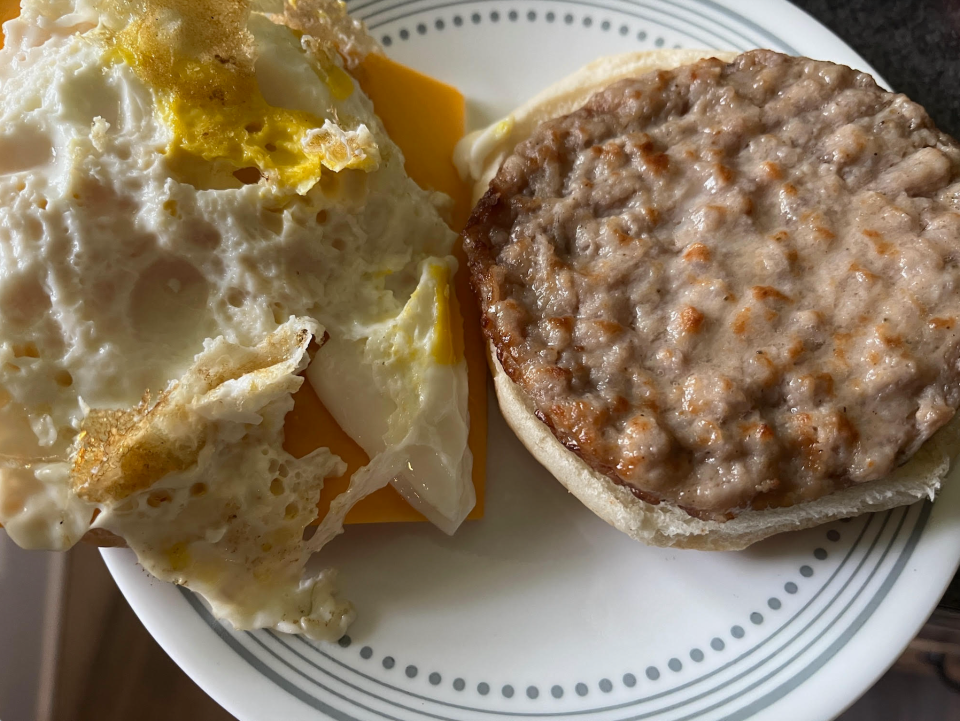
(730, 285)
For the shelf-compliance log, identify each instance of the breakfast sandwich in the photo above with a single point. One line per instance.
(200, 212)
(721, 294)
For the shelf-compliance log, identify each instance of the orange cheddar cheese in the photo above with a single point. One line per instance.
(426, 119)
(309, 426)
(8, 9)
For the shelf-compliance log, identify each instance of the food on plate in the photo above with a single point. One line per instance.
(721, 296)
(199, 208)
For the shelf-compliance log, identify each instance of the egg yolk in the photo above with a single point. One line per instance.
(210, 100)
(447, 335)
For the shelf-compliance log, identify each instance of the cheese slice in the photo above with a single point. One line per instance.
(9, 9)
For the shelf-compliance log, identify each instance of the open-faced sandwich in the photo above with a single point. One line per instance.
(721, 293)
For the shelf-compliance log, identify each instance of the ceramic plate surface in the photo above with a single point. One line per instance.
(541, 609)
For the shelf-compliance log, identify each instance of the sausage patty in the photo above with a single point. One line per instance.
(730, 286)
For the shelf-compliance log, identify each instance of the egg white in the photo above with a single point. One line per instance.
(125, 269)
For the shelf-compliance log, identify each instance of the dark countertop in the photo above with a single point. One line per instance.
(915, 46)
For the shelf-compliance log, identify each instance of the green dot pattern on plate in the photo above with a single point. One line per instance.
(756, 618)
(629, 680)
(434, 678)
(483, 688)
(653, 673)
(411, 671)
(581, 689)
(606, 685)
(737, 632)
(557, 692)
(696, 655)
(507, 691)
(389, 662)
(532, 692)
(674, 664)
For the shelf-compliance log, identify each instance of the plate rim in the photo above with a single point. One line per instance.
(236, 697)
(891, 577)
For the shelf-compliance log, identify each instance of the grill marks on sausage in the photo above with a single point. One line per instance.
(730, 286)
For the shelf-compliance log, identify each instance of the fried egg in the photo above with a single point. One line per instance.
(198, 209)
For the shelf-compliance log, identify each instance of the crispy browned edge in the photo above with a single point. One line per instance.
(491, 209)
(103, 538)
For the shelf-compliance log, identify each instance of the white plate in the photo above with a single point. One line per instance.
(541, 609)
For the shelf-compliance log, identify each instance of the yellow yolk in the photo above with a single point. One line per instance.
(339, 82)
(447, 347)
(248, 135)
(217, 113)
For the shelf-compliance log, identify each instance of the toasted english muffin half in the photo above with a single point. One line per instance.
(521, 255)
